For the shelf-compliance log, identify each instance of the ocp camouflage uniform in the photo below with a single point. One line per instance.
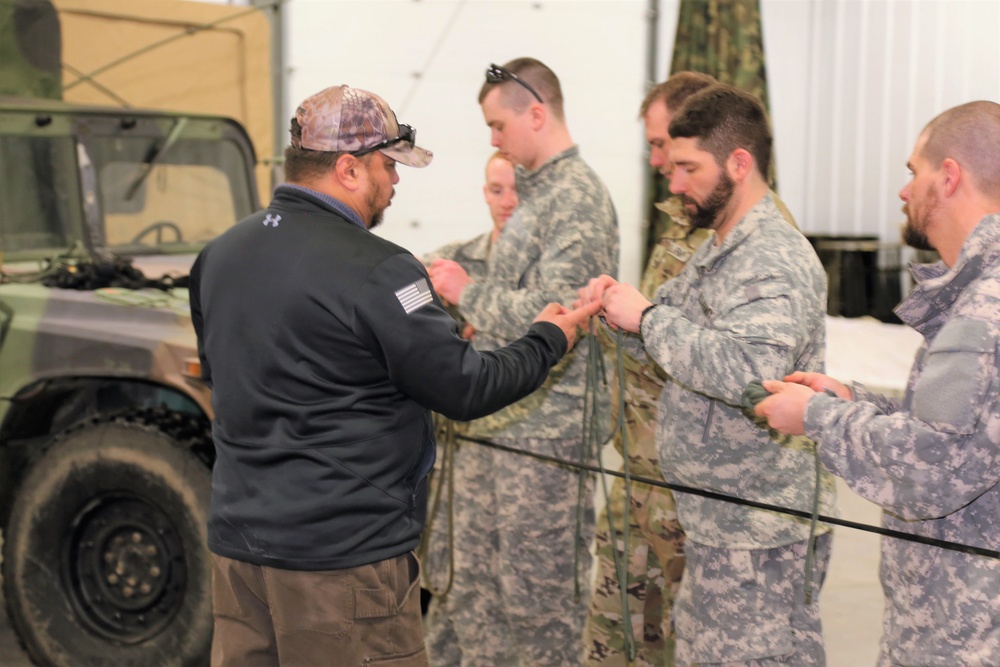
(517, 539)
(933, 463)
(654, 559)
(752, 307)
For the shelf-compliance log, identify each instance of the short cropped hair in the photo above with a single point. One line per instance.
(970, 135)
(675, 90)
(537, 75)
(724, 118)
(497, 155)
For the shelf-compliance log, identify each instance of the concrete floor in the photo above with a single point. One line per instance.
(851, 600)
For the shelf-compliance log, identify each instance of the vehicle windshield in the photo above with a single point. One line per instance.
(132, 193)
(158, 196)
(38, 183)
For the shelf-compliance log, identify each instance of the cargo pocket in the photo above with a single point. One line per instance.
(312, 602)
(390, 614)
(397, 580)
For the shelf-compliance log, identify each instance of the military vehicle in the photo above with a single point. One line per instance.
(105, 445)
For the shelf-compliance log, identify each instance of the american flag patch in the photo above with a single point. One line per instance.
(414, 296)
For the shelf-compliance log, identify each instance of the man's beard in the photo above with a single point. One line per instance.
(915, 229)
(705, 215)
(374, 199)
(915, 238)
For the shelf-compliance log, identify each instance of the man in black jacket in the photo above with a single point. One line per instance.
(326, 350)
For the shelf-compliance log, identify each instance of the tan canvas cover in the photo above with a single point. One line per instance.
(172, 54)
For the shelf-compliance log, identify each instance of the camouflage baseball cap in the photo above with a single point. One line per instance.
(356, 121)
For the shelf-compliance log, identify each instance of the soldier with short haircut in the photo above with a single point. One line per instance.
(654, 556)
(519, 548)
(931, 461)
(653, 559)
(500, 193)
(748, 304)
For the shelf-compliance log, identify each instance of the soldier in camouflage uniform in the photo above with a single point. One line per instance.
(500, 193)
(519, 545)
(749, 305)
(933, 461)
(654, 558)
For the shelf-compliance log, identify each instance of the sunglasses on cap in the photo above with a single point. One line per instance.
(406, 133)
(497, 74)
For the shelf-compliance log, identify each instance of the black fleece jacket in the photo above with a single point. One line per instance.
(323, 383)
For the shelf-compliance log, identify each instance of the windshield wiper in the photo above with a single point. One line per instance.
(155, 154)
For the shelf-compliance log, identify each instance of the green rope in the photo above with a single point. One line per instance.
(445, 479)
(589, 428)
(622, 568)
(743, 502)
(595, 374)
(813, 522)
(47, 266)
(753, 394)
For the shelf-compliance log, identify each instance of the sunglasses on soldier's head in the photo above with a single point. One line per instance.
(497, 74)
(406, 133)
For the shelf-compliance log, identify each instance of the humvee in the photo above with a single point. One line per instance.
(105, 443)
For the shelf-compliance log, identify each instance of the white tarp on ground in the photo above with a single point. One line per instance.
(878, 355)
(871, 352)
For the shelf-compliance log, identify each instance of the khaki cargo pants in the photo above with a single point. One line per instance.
(366, 615)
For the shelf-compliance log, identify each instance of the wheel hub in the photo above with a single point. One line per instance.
(126, 568)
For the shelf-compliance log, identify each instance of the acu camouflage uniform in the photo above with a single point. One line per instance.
(472, 256)
(752, 307)
(933, 464)
(516, 530)
(435, 546)
(655, 553)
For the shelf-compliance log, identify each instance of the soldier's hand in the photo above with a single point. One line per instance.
(449, 279)
(785, 408)
(820, 382)
(593, 290)
(623, 306)
(568, 320)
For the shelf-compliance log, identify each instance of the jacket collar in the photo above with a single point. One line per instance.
(325, 200)
(523, 175)
(748, 224)
(938, 287)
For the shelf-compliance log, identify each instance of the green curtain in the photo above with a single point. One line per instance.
(722, 38)
(30, 49)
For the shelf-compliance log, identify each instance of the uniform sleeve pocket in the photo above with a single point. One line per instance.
(949, 394)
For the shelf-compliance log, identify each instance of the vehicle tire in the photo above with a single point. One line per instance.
(105, 557)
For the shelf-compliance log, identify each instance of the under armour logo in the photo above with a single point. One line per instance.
(272, 220)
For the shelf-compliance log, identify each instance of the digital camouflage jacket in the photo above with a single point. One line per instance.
(933, 463)
(563, 232)
(750, 308)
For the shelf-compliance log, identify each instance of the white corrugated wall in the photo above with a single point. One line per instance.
(852, 82)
